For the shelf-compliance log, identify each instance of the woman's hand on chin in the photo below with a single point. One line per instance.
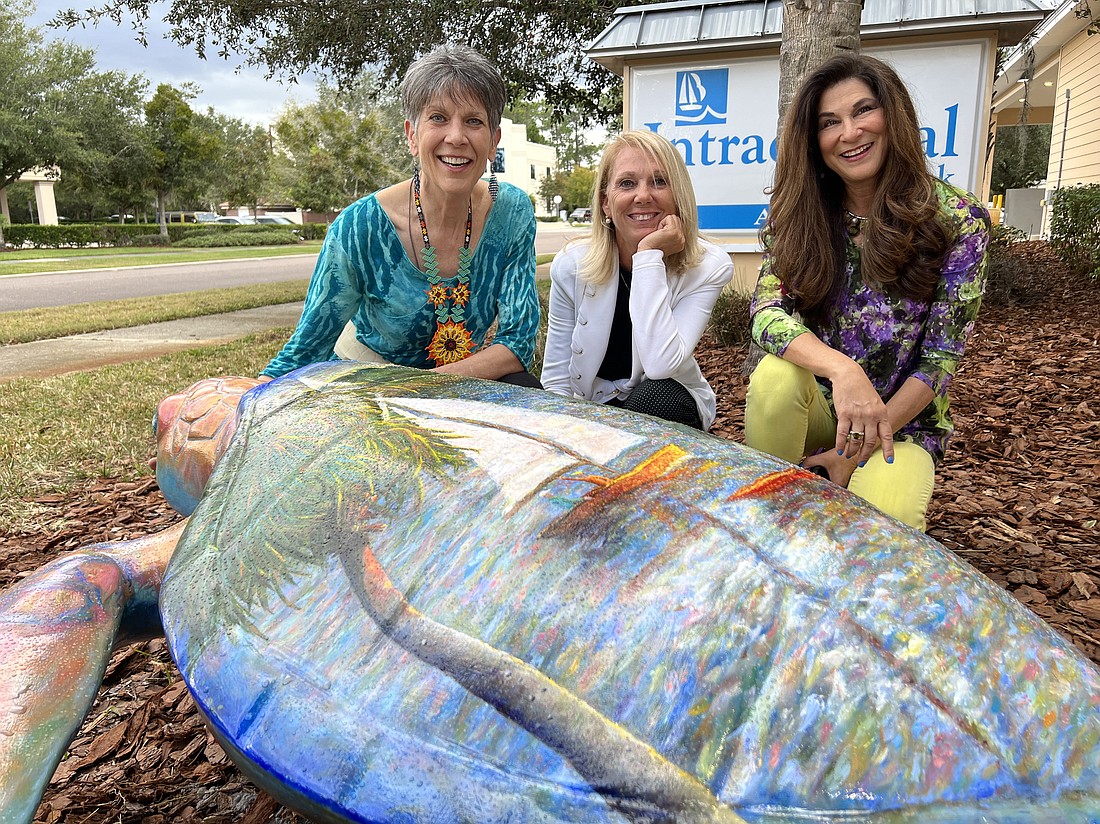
(668, 237)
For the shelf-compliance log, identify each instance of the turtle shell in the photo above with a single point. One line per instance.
(414, 597)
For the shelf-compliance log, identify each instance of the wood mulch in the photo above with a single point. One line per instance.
(1016, 497)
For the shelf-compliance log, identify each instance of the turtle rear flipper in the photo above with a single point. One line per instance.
(58, 628)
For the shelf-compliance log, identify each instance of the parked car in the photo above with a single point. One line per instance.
(276, 219)
(580, 216)
(239, 221)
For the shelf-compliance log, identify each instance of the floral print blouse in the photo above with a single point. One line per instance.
(894, 338)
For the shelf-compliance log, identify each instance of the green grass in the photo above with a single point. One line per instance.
(56, 433)
(32, 261)
(55, 322)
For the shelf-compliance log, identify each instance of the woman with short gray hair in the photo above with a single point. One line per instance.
(417, 273)
(452, 71)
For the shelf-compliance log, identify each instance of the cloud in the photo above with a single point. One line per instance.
(242, 93)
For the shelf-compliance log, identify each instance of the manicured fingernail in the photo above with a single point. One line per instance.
(890, 459)
(863, 463)
(840, 452)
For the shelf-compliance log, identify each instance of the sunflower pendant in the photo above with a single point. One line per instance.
(452, 341)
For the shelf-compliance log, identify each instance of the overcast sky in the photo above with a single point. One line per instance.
(245, 94)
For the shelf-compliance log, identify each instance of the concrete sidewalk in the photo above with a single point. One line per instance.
(78, 352)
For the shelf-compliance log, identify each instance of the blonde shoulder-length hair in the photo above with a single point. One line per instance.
(601, 262)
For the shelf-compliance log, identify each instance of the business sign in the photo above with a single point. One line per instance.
(722, 118)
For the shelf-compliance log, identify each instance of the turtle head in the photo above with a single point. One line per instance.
(193, 428)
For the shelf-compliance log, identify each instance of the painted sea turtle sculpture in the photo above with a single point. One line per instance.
(413, 597)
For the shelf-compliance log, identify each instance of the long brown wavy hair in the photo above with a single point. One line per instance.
(905, 240)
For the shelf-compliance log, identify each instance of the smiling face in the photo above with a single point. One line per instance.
(637, 197)
(852, 136)
(452, 141)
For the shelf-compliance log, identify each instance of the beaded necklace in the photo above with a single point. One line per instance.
(451, 342)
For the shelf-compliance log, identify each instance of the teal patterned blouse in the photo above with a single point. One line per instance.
(895, 338)
(363, 274)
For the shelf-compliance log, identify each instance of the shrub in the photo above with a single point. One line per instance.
(1075, 227)
(185, 232)
(80, 235)
(1011, 277)
(76, 235)
(50, 237)
(312, 231)
(729, 320)
(152, 240)
(241, 236)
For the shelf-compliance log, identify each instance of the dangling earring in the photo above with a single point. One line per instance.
(494, 186)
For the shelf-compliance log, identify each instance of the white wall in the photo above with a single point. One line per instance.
(525, 164)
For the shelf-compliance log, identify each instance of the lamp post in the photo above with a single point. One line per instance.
(557, 204)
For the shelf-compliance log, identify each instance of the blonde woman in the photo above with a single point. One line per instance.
(629, 302)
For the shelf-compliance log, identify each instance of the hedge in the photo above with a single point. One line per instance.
(241, 236)
(82, 235)
(75, 235)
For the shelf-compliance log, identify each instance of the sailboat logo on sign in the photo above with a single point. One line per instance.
(702, 96)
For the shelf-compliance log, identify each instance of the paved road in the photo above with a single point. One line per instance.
(550, 237)
(63, 288)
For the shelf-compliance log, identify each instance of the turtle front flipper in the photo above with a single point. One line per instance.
(58, 628)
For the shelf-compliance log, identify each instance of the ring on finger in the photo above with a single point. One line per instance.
(855, 436)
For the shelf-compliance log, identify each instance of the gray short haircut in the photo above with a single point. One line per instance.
(456, 72)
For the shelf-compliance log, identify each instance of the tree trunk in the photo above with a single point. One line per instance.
(161, 197)
(813, 31)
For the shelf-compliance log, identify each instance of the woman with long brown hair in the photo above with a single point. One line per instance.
(871, 282)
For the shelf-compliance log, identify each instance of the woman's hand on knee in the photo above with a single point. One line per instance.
(862, 419)
(859, 441)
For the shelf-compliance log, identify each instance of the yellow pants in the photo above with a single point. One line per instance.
(786, 415)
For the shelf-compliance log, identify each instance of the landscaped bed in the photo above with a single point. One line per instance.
(1017, 497)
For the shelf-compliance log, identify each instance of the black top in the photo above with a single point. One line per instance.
(619, 360)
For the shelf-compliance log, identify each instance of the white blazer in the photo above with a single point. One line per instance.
(669, 313)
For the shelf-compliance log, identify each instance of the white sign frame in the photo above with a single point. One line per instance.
(726, 131)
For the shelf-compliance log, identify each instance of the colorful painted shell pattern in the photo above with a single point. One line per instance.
(759, 628)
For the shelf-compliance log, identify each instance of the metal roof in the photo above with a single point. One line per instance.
(709, 26)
